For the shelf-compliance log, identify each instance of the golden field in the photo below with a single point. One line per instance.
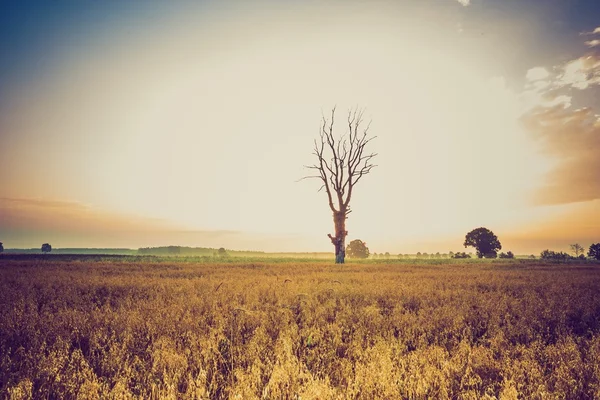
(167, 328)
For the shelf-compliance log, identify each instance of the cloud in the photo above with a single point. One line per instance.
(464, 2)
(596, 31)
(570, 223)
(582, 72)
(537, 73)
(593, 43)
(568, 137)
(26, 223)
(41, 203)
(571, 137)
(19, 213)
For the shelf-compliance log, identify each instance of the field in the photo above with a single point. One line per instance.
(144, 327)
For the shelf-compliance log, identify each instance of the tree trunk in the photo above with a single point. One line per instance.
(339, 240)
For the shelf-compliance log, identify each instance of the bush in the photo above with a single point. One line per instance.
(461, 255)
(555, 255)
(508, 254)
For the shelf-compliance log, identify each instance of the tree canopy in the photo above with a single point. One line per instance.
(485, 242)
(357, 249)
(46, 248)
(594, 251)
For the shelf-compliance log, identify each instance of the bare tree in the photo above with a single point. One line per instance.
(577, 249)
(341, 163)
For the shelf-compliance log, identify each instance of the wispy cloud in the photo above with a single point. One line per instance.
(537, 73)
(572, 137)
(582, 72)
(593, 43)
(30, 222)
(42, 203)
(464, 2)
(595, 31)
(19, 214)
(569, 136)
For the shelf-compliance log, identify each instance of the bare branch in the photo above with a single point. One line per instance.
(342, 162)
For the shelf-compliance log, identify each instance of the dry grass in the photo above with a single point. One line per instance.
(131, 328)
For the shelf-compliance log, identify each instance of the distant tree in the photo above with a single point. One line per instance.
(506, 255)
(1, 247)
(419, 254)
(387, 254)
(593, 252)
(438, 255)
(451, 254)
(357, 249)
(222, 252)
(484, 241)
(174, 250)
(577, 249)
(532, 257)
(461, 255)
(400, 256)
(46, 248)
(375, 255)
(555, 255)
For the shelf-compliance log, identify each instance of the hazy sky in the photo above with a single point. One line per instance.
(133, 124)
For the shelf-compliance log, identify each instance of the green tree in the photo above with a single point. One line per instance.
(222, 252)
(594, 251)
(485, 242)
(508, 254)
(459, 254)
(555, 255)
(46, 248)
(357, 249)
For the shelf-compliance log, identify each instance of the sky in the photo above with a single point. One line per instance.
(134, 124)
